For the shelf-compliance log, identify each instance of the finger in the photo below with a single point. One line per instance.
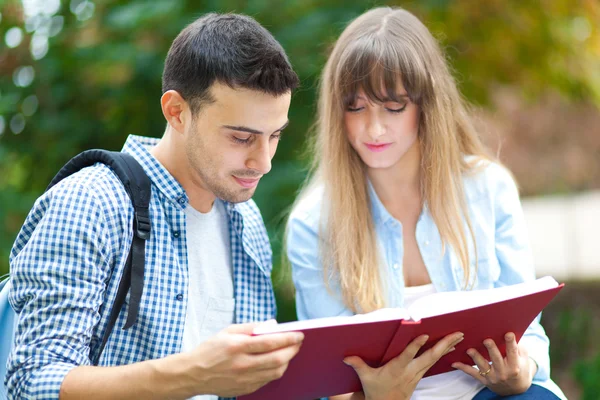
(469, 370)
(512, 350)
(260, 378)
(245, 329)
(410, 351)
(275, 359)
(494, 352)
(358, 364)
(479, 360)
(441, 348)
(273, 341)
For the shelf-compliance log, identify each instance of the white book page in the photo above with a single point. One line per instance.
(448, 302)
(384, 314)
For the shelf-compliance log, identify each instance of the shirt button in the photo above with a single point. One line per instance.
(427, 243)
(182, 201)
(176, 234)
(179, 297)
(396, 266)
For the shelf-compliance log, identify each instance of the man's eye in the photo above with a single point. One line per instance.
(241, 140)
(276, 136)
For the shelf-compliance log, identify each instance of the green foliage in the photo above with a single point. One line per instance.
(575, 327)
(100, 81)
(572, 322)
(100, 78)
(587, 373)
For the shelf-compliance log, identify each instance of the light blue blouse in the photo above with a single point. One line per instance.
(504, 254)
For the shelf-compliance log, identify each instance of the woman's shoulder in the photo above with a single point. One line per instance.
(308, 206)
(486, 178)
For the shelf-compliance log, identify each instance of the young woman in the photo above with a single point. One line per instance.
(404, 201)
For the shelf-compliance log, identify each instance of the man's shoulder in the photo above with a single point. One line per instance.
(98, 180)
(92, 199)
(97, 186)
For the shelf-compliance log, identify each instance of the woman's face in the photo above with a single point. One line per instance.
(381, 133)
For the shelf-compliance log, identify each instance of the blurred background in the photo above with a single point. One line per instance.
(80, 74)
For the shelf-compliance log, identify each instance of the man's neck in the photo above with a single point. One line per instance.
(167, 154)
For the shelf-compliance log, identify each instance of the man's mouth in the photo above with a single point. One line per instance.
(247, 182)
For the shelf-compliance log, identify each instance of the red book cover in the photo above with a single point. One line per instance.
(318, 371)
(491, 321)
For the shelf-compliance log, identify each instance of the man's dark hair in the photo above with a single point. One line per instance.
(231, 49)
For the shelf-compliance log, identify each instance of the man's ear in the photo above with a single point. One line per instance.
(176, 110)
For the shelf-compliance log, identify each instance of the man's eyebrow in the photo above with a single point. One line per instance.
(254, 131)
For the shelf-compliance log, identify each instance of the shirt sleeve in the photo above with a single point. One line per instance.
(313, 298)
(516, 261)
(59, 266)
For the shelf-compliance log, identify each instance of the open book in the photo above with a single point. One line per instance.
(377, 337)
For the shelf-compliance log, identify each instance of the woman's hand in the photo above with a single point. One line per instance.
(504, 376)
(397, 379)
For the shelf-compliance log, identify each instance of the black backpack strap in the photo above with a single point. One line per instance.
(137, 184)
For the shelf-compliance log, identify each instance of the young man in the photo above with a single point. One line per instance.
(227, 85)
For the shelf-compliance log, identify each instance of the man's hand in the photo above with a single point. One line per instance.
(233, 362)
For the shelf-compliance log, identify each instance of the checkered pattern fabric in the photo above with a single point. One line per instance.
(68, 259)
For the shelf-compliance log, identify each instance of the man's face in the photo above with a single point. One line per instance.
(230, 142)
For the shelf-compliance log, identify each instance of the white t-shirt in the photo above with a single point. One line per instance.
(211, 304)
(452, 385)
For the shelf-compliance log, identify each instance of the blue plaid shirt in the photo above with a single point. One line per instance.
(68, 259)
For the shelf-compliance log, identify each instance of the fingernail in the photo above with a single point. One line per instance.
(509, 337)
(450, 350)
(344, 361)
(299, 337)
(425, 339)
(454, 365)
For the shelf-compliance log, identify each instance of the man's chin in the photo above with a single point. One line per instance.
(240, 196)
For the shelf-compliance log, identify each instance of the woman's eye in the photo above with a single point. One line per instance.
(354, 109)
(396, 109)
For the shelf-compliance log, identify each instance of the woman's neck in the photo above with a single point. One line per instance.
(402, 181)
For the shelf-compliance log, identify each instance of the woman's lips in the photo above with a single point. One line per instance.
(379, 147)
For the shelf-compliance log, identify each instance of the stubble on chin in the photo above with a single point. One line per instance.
(230, 195)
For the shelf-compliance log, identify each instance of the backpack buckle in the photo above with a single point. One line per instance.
(142, 226)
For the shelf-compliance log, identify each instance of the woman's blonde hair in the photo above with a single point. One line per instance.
(376, 50)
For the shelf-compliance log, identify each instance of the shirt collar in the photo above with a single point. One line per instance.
(138, 147)
(380, 214)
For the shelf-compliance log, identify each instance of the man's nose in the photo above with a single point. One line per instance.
(260, 159)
